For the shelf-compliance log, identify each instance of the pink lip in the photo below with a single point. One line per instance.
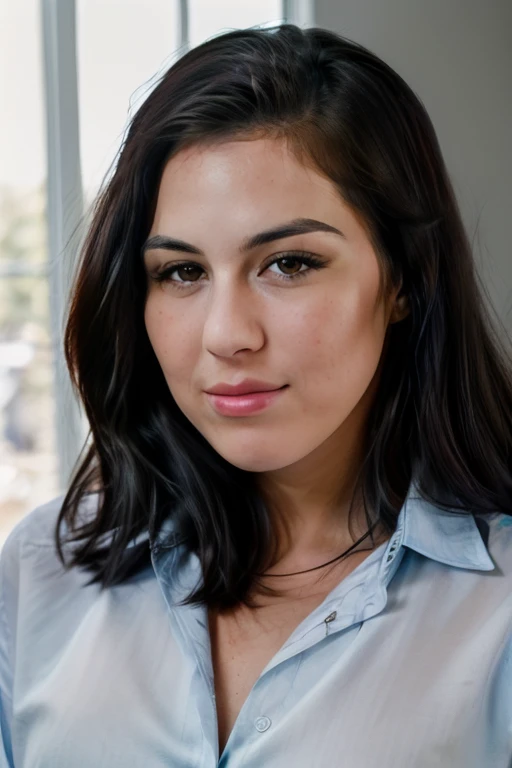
(247, 386)
(243, 405)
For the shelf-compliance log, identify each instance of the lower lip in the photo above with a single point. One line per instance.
(243, 405)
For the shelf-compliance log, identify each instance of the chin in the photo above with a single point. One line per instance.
(252, 459)
(254, 466)
(250, 451)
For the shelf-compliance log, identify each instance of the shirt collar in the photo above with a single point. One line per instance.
(452, 538)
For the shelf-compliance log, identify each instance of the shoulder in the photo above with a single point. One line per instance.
(31, 543)
(496, 532)
(29, 558)
(30, 548)
(38, 526)
(496, 583)
(31, 574)
(495, 594)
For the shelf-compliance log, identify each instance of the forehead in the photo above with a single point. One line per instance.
(245, 181)
(241, 159)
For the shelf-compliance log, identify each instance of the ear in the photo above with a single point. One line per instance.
(400, 309)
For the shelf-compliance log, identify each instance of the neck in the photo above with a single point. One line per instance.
(315, 507)
(310, 503)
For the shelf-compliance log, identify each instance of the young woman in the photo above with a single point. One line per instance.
(288, 542)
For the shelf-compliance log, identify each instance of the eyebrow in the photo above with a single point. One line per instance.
(299, 226)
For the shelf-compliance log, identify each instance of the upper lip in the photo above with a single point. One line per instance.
(245, 386)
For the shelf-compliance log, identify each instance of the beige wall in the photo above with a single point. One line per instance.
(457, 56)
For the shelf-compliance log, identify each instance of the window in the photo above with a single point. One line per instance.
(72, 73)
(28, 453)
(206, 18)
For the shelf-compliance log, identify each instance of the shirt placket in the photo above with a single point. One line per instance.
(358, 598)
(190, 627)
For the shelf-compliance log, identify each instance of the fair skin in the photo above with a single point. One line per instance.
(236, 316)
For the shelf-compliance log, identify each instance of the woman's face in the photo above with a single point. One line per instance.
(236, 312)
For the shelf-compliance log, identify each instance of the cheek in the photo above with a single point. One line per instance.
(337, 326)
(169, 336)
(337, 346)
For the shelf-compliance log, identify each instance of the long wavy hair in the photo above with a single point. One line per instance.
(443, 411)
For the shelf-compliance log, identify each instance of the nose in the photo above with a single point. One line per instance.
(233, 319)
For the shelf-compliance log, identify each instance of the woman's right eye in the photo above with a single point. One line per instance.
(185, 274)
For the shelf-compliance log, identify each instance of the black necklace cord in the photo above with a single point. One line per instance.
(296, 573)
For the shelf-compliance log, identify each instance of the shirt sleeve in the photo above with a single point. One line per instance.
(500, 703)
(8, 579)
(6, 760)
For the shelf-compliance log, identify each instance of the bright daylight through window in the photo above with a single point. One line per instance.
(116, 68)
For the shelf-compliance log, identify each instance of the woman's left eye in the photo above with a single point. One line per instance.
(291, 262)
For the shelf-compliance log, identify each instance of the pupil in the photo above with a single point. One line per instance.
(288, 259)
(189, 270)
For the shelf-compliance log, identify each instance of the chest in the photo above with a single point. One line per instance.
(424, 683)
(244, 641)
(242, 646)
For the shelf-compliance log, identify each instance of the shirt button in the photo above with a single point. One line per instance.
(262, 724)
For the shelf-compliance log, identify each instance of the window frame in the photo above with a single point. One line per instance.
(65, 206)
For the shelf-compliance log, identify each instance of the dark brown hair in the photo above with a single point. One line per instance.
(444, 405)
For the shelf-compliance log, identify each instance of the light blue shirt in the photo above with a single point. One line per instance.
(406, 664)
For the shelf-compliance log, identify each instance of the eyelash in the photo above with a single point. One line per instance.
(311, 261)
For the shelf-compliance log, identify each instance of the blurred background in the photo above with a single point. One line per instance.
(72, 74)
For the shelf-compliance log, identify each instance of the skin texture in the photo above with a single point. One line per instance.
(321, 334)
